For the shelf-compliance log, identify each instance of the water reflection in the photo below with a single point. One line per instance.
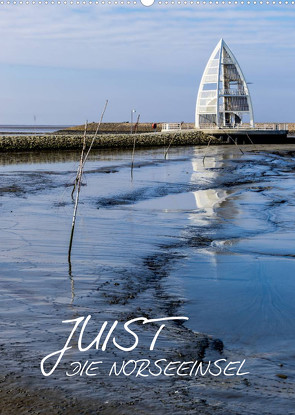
(63, 156)
(181, 230)
(72, 281)
(206, 199)
(237, 290)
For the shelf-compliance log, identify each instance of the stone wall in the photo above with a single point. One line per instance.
(71, 142)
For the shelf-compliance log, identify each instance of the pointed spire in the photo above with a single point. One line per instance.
(223, 97)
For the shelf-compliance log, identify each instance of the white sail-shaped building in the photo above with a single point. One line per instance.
(223, 99)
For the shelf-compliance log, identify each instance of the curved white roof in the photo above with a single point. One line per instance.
(223, 98)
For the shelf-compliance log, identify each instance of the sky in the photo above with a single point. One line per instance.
(59, 63)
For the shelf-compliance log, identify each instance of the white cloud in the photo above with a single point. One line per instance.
(150, 45)
(102, 37)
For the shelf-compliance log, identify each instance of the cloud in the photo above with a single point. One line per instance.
(145, 55)
(102, 37)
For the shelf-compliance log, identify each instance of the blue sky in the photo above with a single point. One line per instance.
(60, 63)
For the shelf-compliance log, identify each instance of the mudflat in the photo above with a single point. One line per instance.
(208, 238)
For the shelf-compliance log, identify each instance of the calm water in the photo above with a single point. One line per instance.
(30, 129)
(218, 236)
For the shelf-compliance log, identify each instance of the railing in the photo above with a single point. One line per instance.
(177, 126)
(240, 109)
(209, 127)
(278, 126)
(272, 127)
(234, 92)
(171, 126)
(227, 61)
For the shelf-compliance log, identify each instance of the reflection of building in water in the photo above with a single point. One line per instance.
(223, 98)
(201, 174)
(207, 202)
(207, 199)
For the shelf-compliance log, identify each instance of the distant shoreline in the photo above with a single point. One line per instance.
(10, 129)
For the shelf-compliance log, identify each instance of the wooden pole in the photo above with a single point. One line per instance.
(81, 160)
(166, 152)
(78, 180)
(96, 132)
(133, 150)
(227, 136)
(77, 185)
(207, 150)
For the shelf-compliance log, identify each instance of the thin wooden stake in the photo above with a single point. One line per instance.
(210, 142)
(75, 213)
(235, 143)
(96, 132)
(78, 180)
(81, 160)
(72, 282)
(133, 150)
(132, 161)
(228, 137)
(250, 139)
(136, 124)
(207, 149)
(166, 152)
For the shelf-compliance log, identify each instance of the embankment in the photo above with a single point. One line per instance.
(71, 142)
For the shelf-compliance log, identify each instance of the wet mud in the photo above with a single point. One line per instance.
(183, 238)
